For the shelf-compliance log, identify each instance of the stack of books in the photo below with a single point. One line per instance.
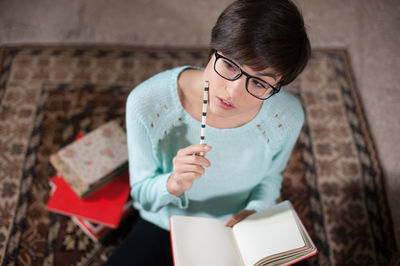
(92, 181)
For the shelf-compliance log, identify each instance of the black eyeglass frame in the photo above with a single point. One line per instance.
(248, 76)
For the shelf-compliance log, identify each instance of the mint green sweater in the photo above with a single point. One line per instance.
(246, 162)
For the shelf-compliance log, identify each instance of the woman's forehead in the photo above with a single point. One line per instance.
(268, 72)
(253, 67)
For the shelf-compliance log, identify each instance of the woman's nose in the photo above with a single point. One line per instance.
(235, 88)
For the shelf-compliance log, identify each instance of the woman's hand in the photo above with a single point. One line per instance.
(187, 168)
(238, 217)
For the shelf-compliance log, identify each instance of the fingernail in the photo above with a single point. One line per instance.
(207, 147)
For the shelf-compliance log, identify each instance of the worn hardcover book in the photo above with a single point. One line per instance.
(105, 206)
(98, 232)
(272, 237)
(94, 159)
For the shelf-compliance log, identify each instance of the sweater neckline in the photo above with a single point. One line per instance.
(177, 101)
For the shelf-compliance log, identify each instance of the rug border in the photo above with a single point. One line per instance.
(368, 133)
(371, 146)
(2, 49)
(105, 46)
(137, 47)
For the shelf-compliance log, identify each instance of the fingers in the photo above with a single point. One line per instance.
(238, 217)
(196, 148)
(187, 168)
(191, 160)
(233, 220)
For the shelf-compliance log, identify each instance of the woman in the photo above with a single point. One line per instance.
(252, 125)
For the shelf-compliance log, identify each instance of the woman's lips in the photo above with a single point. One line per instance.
(225, 104)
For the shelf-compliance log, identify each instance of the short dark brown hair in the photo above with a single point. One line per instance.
(262, 34)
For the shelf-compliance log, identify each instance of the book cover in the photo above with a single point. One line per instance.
(93, 159)
(105, 206)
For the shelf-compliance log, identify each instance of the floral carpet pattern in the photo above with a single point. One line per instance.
(49, 94)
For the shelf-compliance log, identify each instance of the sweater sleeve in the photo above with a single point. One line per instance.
(265, 194)
(148, 182)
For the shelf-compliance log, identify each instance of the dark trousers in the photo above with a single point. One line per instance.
(146, 245)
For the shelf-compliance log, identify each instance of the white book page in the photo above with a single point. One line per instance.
(268, 232)
(202, 241)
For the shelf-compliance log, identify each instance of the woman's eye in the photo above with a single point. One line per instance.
(229, 65)
(258, 84)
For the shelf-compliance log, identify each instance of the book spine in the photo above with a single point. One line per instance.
(115, 173)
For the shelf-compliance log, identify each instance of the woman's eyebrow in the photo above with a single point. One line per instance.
(267, 74)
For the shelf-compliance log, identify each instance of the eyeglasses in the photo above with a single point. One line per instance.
(230, 71)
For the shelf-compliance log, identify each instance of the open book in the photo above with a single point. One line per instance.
(272, 237)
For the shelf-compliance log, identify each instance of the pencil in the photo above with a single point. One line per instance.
(204, 116)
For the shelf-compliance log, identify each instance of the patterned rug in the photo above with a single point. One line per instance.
(49, 94)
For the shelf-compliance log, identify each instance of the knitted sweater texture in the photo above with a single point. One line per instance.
(246, 162)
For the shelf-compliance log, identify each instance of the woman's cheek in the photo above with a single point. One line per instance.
(207, 75)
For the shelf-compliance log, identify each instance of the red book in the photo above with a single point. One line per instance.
(96, 232)
(104, 206)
